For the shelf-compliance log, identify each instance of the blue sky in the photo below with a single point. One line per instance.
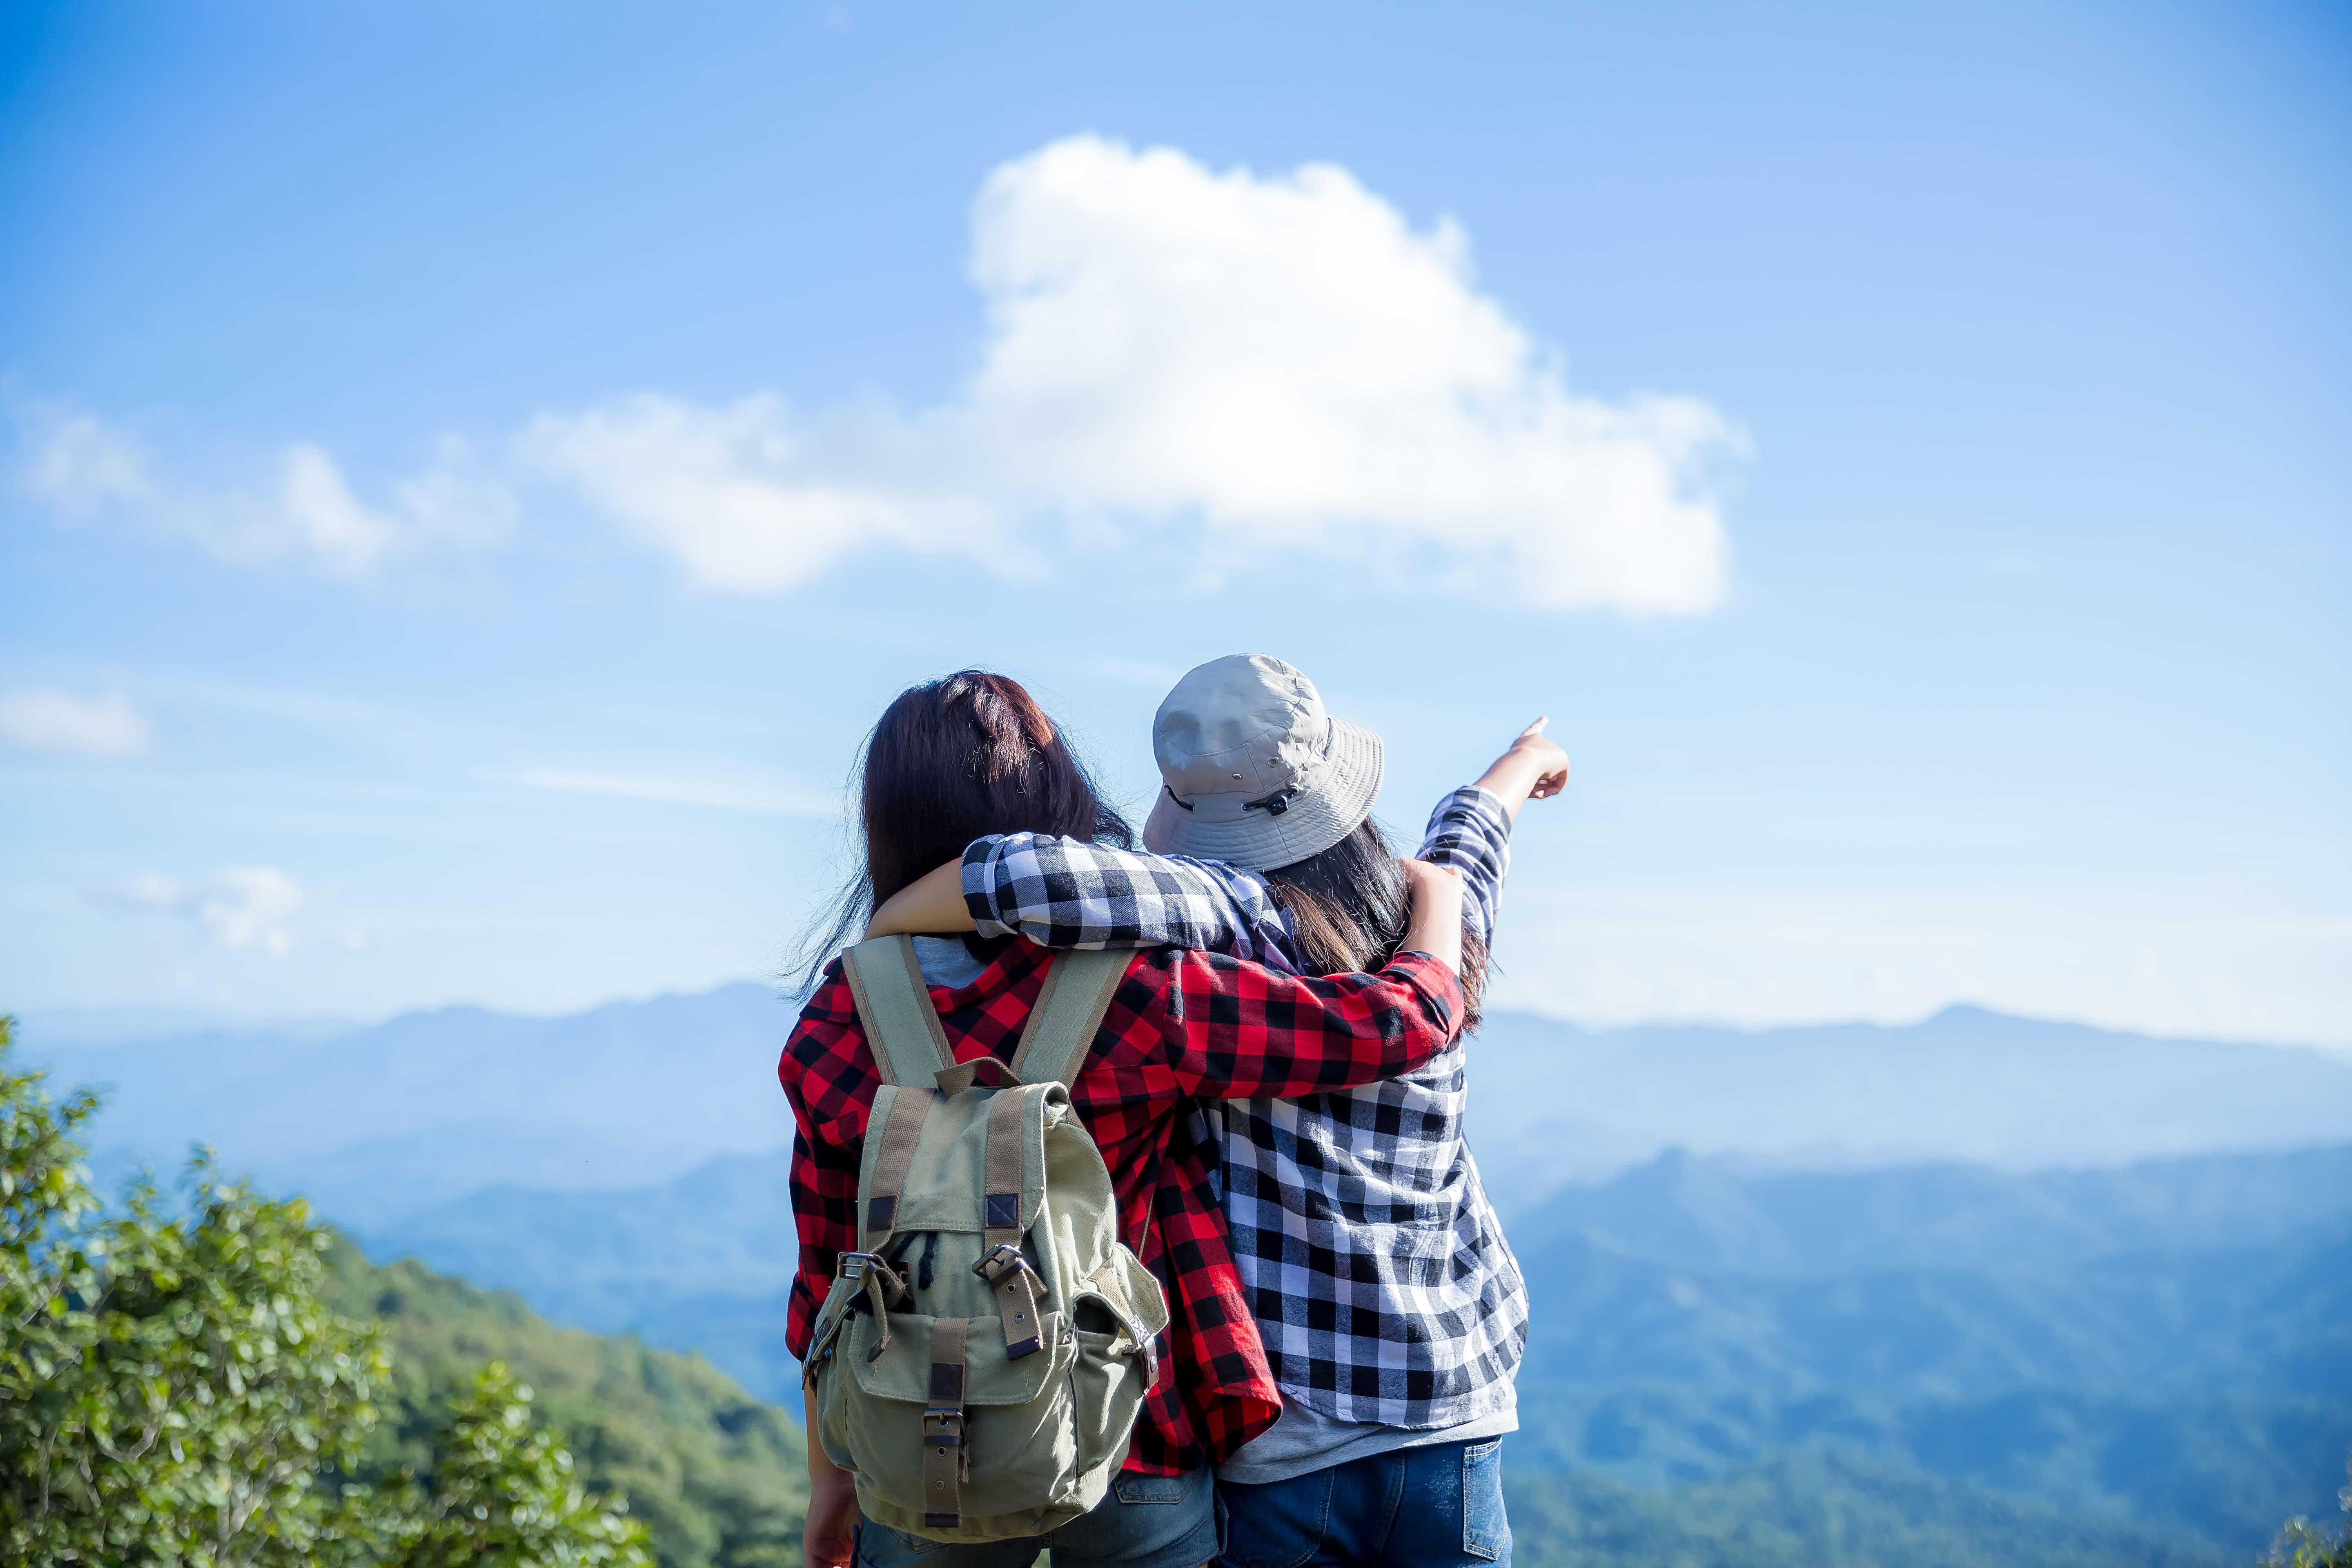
(474, 472)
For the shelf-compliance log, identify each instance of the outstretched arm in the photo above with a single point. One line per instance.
(1534, 768)
(1470, 830)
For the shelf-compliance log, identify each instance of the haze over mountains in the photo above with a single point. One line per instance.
(2107, 1278)
(1551, 1103)
(378, 1121)
(384, 1121)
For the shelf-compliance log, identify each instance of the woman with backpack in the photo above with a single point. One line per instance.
(1391, 1308)
(950, 761)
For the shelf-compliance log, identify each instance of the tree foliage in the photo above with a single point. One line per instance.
(718, 1478)
(198, 1399)
(2303, 1544)
(503, 1494)
(176, 1388)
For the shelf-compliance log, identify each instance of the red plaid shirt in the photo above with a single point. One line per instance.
(1182, 1026)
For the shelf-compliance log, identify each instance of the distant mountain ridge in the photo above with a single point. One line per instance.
(2273, 1318)
(389, 1120)
(1719, 1215)
(1964, 1085)
(1816, 1276)
(426, 1107)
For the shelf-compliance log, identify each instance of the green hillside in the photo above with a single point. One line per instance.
(1820, 1510)
(1721, 1216)
(720, 1480)
(2169, 1344)
(2218, 1469)
(2123, 1394)
(2273, 1318)
(1664, 1476)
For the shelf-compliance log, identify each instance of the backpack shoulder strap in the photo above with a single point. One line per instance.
(895, 1006)
(1069, 1011)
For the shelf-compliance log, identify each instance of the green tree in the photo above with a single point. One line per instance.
(178, 1390)
(719, 1480)
(46, 1272)
(171, 1389)
(2303, 1544)
(503, 1494)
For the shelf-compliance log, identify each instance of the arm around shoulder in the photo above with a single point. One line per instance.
(1240, 1029)
(933, 903)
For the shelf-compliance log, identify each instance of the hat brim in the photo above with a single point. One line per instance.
(1316, 818)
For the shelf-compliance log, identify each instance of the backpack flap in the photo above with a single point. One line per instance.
(903, 1372)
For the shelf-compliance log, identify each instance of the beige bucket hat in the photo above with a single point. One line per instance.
(1255, 772)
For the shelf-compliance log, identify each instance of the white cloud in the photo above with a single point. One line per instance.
(80, 464)
(741, 496)
(723, 791)
(83, 466)
(1237, 364)
(246, 906)
(62, 724)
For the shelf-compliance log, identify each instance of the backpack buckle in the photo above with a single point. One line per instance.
(869, 1268)
(999, 1261)
(943, 1428)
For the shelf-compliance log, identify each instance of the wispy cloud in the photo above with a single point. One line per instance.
(59, 723)
(306, 509)
(1252, 367)
(245, 906)
(79, 463)
(720, 791)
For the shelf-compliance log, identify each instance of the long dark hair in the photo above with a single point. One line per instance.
(950, 761)
(1349, 907)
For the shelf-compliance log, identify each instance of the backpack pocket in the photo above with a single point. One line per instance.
(1024, 1472)
(1106, 1382)
(1116, 1314)
(902, 1374)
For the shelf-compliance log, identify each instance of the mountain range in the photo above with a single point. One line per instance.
(383, 1122)
(2015, 1282)
(2168, 1343)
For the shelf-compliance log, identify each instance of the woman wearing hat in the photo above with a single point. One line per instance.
(972, 754)
(1392, 1311)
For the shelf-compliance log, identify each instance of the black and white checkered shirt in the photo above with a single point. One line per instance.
(1375, 1265)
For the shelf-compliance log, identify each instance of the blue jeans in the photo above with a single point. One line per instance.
(1438, 1507)
(1147, 1522)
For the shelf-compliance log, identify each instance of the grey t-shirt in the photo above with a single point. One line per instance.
(1303, 1440)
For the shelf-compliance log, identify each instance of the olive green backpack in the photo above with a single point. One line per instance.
(980, 1359)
